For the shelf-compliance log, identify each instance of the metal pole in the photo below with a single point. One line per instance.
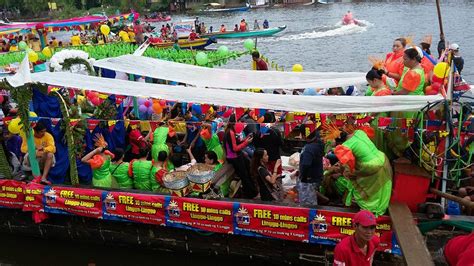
(448, 129)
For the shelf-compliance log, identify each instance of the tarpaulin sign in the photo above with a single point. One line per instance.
(288, 223)
(208, 215)
(69, 200)
(33, 197)
(329, 227)
(134, 207)
(11, 194)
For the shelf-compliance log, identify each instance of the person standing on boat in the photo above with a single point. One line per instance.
(359, 248)
(223, 29)
(426, 63)
(193, 36)
(256, 26)
(197, 23)
(261, 64)
(393, 63)
(236, 28)
(457, 58)
(310, 170)
(234, 156)
(265, 24)
(412, 81)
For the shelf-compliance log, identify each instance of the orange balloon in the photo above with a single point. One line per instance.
(157, 108)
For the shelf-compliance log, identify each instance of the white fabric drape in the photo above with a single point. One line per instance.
(228, 78)
(312, 104)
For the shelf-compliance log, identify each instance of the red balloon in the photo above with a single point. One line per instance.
(1, 99)
(147, 103)
(163, 103)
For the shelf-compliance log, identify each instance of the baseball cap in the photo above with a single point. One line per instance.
(365, 218)
(454, 46)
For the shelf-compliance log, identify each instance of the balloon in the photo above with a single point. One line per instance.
(92, 94)
(47, 52)
(105, 29)
(149, 110)
(249, 44)
(201, 58)
(157, 108)
(32, 56)
(163, 102)
(14, 126)
(1, 99)
(147, 103)
(239, 127)
(33, 114)
(142, 108)
(223, 50)
(141, 101)
(297, 68)
(80, 99)
(441, 70)
(22, 45)
(95, 101)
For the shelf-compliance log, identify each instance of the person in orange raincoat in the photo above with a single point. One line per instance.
(426, 64)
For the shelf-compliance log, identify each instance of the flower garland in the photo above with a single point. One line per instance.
(69, 60)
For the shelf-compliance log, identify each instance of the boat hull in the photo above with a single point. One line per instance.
(167, 18)
(198, 44)
(232, 9)
(247, 34)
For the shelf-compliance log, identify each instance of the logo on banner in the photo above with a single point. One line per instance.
(319, 224)
(243, 217)
(173, 209)
(110, 203)
(51, 196)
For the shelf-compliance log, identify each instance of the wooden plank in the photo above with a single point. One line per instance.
(409, 237)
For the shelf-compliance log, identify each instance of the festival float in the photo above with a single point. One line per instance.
(81, 98)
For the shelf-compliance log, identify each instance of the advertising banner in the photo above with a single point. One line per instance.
(141, 208)
(34, 197)
(69, 200)
(208, 215)
(282, 222)
(11, 194)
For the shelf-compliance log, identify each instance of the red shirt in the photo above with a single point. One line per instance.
(459, 251)
(261, 65)
(135, 138)
(347, 253)
(192, 36)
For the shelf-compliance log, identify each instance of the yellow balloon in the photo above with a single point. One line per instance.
(32, 56)
(441, 70)
(80, 99)
(47, 52)
(297, 68)
(33, 114)
(105, 29)
(14, 126)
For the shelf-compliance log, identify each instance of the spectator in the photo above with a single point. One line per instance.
(261, 65)
(311, 169)
(267, 179)
(457, 58)
(269, 138)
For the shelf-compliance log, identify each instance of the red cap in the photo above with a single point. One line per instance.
(365, 218)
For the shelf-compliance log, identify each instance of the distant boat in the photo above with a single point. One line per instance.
(325, 2)
(245, 34)
(214, 7)
(159, 19)
(197, 44)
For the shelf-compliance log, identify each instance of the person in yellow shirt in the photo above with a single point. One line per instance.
(75, 39)
(131, 35)
(13, 46)
(54, 42)
(123, 35)
(45, 150)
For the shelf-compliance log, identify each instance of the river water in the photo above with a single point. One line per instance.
(315, 40)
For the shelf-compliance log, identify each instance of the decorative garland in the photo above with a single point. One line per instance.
(66, 59)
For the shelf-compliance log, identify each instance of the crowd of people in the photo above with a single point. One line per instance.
(201, 28)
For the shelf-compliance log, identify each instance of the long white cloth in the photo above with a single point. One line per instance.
(228, 78)
(300, 103)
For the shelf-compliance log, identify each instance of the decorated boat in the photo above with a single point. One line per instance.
(197, 44)
(158, 19)
(246, 34)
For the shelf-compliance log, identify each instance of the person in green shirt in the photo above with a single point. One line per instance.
(158, 171)
(140, 169)
(412, 81)
(119, 170)
(99, 160)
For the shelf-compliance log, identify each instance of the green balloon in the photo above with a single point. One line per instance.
(222, 51)
(201, 58)
(22, 45)
(249, 44)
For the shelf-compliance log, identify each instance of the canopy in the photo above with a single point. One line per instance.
(228, 78)
(300, 103)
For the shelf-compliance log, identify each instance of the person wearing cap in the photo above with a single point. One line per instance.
(457, 58)
(412, 81)
(359, 248)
